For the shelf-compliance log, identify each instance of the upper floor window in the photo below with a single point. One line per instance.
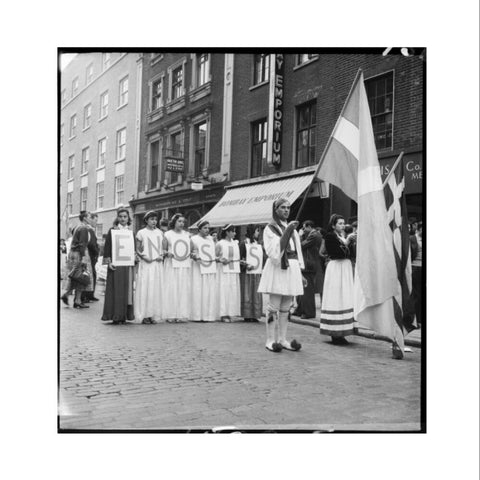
(102, 152)
(83, 198)
(203, 68)
(89, 73)
(106, 60)
(121, 144)
(156, 101)
(305, 57)
(200, 140)
(177, 83)
(123, 92)
(104, 104)
(259, 147)
(85, 160)
(176, 151)
(71, 166)
(306, 140)
(64, 96)
(62, 134)
(73, 125)
(119, 189)
(380, 100)
(87, 116)
(74, 86)
(69, 203)
(261, 68)
(154, 163)
(99, 195)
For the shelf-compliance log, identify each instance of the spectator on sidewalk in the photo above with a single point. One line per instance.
(310, 242)
(416, 245)
(93, 251)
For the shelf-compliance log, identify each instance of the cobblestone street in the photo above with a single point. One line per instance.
(202, 375)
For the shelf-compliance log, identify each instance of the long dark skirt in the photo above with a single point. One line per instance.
(251, 300)
(119, 295)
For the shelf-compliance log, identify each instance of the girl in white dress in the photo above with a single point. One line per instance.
(281, 277)
(149, 284)
(228, 274)
(204, 285)
(177, 275)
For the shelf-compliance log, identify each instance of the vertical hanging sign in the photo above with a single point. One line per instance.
(275, 112)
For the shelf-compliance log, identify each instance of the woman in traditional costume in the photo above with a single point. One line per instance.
(251, 300)
(336, 317)
(177, 274)
(204, 284)
(281, 277)
(228, 274)
(118, 305)
(150, 283)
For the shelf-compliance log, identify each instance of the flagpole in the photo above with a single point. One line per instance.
(395, 165)
(322, 158)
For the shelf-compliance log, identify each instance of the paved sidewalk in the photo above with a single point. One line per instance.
(202, 375)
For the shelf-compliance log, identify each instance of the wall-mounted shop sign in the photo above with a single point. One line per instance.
(413, 165)
(275, 111)
(176, 165)
(188, 197)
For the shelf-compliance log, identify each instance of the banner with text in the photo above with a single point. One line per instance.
(254, 257)
(123, 248)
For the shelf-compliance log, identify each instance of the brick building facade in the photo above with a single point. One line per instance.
(99, 136)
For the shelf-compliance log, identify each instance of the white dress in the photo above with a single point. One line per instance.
(228, 284)
(177, 290)
(204, 286)
(275, 280)
(149, 284)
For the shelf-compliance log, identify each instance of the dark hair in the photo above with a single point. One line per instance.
(201, 224)
(275, 205)
(83, 215)
(250, 233)
(173, 220)
(333, 221)
(150, 215)
(355, 224)
(225, 229)
(348, 229)
(122, 210)
(308, 223)
(419, 225)
(93, 215)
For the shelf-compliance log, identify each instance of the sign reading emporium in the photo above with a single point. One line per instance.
(275, 113)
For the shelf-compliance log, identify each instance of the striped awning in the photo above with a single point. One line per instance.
(253, 203)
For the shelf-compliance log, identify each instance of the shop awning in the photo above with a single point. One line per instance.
(253, 203)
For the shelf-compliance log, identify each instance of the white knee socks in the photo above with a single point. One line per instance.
(271, 323)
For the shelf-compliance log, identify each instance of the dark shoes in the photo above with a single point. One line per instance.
(340, 341)
(64, 299)
(80, 305)
(276, 347)
(94, 299)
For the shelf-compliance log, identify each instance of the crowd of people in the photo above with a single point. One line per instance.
(167, 285)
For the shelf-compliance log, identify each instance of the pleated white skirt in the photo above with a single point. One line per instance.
(281, 282)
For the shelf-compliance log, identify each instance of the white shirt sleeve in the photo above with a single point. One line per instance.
(271, 242)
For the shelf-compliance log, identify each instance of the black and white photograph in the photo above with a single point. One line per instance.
(240, 240)
(221, 211)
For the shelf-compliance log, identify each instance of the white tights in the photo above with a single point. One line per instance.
(277, 316)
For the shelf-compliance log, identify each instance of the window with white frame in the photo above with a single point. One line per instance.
(89, 73)
(156, 101)
(123, 92)
(119, 190)
(304, 57)
(99, 230)
(259, 147)
(64, 96)
(73, 125)
(71, 166)
(177, 83)
(154, 163)
(101, 152)
(99, 195)
(85, 159)
(104, 104)
(106, 60)
(69, 203)
(74, 86)
(176, 151)
(203, 68)
(306, 134)
(83, 198)
(261, 68)
(200, 141)
(87, 116)
(121, 144)
(62, 134)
